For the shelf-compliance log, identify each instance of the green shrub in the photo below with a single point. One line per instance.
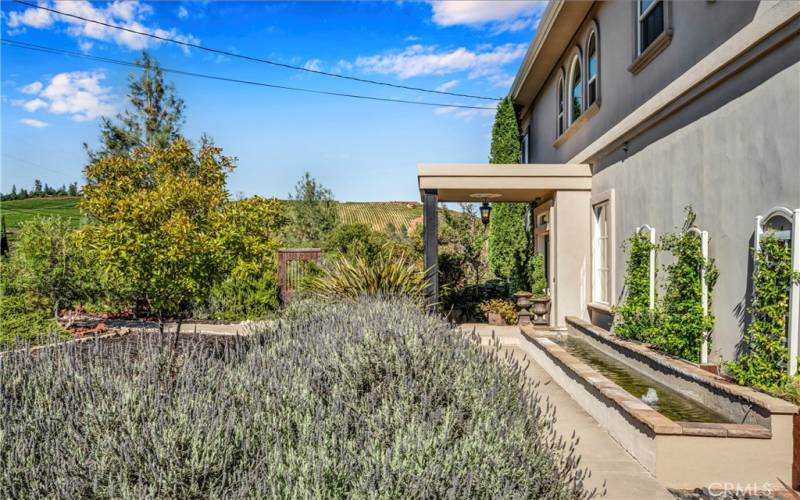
(249, 292)
(390, 275)
(633, 319)
(353, 239)
(505, 308)
(682, 322)
(538, 277)
(358, 400)
(47, 266)
(765, 357)
(21, 320)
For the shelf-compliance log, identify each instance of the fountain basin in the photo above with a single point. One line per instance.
(743, 437)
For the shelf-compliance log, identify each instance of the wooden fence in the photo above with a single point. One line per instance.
(292, 267)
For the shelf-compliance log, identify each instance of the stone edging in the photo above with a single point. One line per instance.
(627, 404)
(688, 370)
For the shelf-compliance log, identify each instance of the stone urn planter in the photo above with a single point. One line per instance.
(496, 319)
(541, 310)
(523, 304)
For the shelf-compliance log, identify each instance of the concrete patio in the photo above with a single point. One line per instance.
(624, 477)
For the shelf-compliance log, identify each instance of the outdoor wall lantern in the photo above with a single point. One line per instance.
(486, 213)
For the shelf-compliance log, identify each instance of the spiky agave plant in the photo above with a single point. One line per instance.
(363, 399)
(389, 275)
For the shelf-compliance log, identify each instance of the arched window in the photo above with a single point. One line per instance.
(575, 90)
(561, 105)
(591, 69)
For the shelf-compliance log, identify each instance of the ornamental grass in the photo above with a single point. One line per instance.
(359, 399)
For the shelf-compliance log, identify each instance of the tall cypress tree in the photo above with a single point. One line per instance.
(508, 239)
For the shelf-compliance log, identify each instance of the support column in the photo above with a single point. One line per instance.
(430, 224)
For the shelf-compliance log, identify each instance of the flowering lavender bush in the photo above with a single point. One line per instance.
(366, 399)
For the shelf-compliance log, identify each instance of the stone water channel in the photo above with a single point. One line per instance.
(658, 396)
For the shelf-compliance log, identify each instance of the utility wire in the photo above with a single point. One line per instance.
(53, 50)
(252, 58)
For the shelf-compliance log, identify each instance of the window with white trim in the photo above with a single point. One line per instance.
(575, 90)
(591, 69)
(600, 255)
(561, 105)
(650, 23)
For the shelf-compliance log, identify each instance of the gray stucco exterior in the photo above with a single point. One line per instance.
(731, 151)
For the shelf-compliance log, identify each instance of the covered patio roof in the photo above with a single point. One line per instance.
(476, 182)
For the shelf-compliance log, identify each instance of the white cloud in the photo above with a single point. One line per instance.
(498, 15)
(34, 104)
(419, 60)
(129, 14)
(32, 88)
(412, 38)
(85, 46)
(465, 114)
(313, 65)
(33, 123)
(447, 86)
(35, 18)
(480, 12)
(182, 12)
(342, 66)
(78, 94)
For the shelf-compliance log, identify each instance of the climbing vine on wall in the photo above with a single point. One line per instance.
(766, 355)
(682, 321)
(677, 323)
(633, 318)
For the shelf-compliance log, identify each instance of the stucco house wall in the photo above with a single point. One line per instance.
(731, 151)
(730, 165)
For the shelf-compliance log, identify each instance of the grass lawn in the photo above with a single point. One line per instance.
(19, 211)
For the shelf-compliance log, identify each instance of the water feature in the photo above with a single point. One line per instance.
(658, 396)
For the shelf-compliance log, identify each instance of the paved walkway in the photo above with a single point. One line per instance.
(625, 479)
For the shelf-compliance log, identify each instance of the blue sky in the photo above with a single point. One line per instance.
(52, 104)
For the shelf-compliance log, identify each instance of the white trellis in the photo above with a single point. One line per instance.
(703, 235)
(793, 236)
(652, 269)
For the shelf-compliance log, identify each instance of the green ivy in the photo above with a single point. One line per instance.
(681, 319)
(764, 362)
(508, 239)
(677, 322)
(633, 318)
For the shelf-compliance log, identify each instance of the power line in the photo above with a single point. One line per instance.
(53, 50)
(252, 58)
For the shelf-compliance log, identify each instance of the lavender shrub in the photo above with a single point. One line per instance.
(362, 399)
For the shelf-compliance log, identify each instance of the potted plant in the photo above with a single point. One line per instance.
(499, 312)
(541, 296)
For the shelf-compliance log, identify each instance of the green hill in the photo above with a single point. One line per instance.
(18, 211)
(377, 215)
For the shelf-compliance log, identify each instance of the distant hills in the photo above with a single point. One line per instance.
(377, 215)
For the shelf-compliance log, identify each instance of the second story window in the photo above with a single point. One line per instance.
(561, 104)
(591, 70)
(650, 23)
(575, 90)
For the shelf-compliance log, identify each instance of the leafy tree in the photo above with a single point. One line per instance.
(248, 230)
(538, 277)
(37, 187)
(13, 192)
(464, 235)
(313, 211)
(46, 265)
(155, 116)
(73, 189)
(155, 216)
(508, 239)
